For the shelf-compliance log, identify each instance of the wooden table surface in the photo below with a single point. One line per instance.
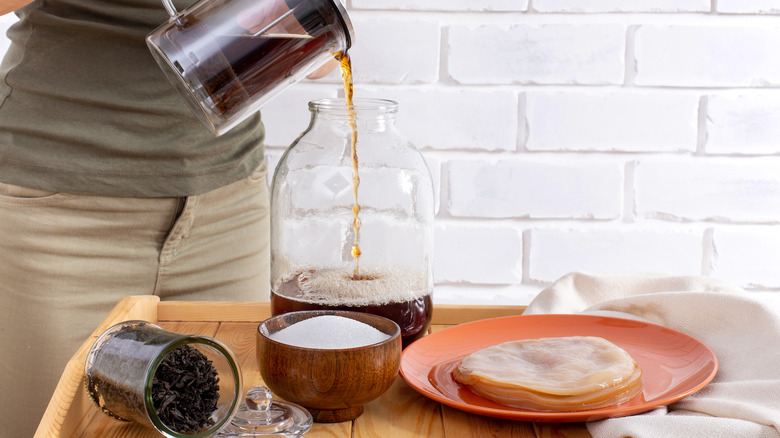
(399, 413)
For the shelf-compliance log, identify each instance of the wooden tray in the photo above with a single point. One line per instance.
(400, 412)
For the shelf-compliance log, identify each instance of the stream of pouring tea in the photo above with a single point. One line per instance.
(346, 76)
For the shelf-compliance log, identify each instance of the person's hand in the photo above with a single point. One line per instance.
(263, 14)
(324, 70)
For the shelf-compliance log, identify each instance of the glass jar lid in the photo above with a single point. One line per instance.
(261, 415)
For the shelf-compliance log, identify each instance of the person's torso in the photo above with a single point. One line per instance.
(85, 108)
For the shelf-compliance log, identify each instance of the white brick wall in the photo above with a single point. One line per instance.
(591, 6)
(386, 60)
(475, 120)
(749, 6)
(597, 135)
(743, 124)
(534, 190)
(537, 54)
(707, 56)
(585, 121)
(555, 252)
(709, 189)
(442, 5)
(748, 255)
(485, 254)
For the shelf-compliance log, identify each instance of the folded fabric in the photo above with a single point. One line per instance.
(744, 398)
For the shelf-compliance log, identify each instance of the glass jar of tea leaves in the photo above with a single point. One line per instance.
(180, 385)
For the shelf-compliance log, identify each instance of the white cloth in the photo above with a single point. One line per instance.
(744, 398)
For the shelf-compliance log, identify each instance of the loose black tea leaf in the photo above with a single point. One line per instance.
(185, 390)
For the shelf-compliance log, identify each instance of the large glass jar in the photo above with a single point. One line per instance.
(352, 210)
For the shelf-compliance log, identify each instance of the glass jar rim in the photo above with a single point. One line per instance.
(338, 104)
(215, 345)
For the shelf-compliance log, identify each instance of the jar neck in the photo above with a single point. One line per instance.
(378, 112)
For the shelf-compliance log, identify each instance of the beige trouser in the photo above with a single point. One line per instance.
(66, 260)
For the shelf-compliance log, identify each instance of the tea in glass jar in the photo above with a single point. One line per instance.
(322, 224)
(397, 294)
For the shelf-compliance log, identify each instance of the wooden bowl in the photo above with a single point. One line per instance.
(332, 384)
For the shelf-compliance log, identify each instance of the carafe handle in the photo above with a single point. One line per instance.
(168, 4)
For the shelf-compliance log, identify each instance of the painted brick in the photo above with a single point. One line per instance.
(554, 253)
(457, 67)
(5, 22)
(748, 256)
(381, 53)
(512, 295)
(749, 6)
(287, 115)
(625, 121)
(707, 56)
(442, 5)
(743, 124)
(536, 54)
(713, 189)
(444, 119)
(434, 167)
(526, 189)
(478, 254)
(590, 6)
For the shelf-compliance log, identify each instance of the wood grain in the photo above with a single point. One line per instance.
(239, 337)
(255, 312)
(400, 412)
(214, 311)
(459, 424)
(102, 426)
(334, 384)
(561, 430)
(458, 314)
(70, 408)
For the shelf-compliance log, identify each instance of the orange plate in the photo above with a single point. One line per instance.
(674, 365)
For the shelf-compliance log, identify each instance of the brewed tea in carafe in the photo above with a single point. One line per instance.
(352, 189)
(228, 57)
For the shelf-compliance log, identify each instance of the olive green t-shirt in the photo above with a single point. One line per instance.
(84, 108)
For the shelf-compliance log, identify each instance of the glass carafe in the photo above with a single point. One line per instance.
(227, 58)
(365, 247)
